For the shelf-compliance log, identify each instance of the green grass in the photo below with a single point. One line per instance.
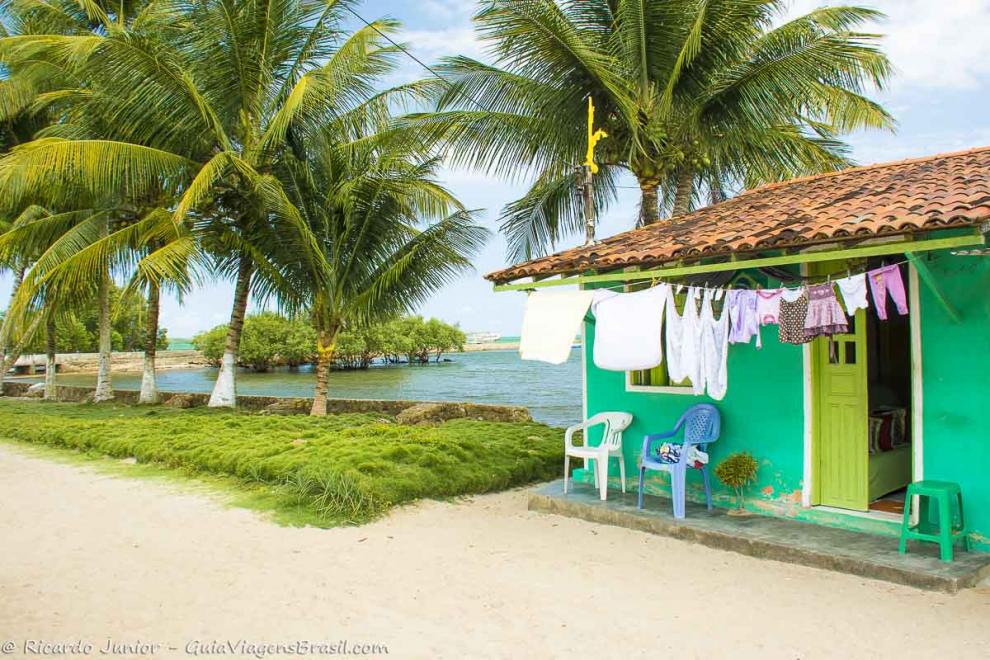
(342, 469)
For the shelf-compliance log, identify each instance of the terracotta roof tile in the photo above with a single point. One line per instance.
(947, 190)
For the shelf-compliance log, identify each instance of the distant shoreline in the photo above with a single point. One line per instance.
(491, 346)
(86, 363)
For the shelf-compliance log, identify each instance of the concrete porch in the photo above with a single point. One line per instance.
(780, 539)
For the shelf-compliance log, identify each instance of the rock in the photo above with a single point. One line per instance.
(431, 413)
(491, 413)
(181, 401)
(290, 407)
(36, 390)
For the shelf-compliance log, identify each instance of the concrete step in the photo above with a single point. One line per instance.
(766, 537)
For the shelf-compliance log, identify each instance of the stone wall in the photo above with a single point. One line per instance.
(69, 363)
(425, 411)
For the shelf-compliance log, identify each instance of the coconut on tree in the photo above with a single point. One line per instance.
(695, 97)
(203, 104)
(36, 99)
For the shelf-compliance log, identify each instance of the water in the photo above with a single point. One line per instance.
(551, 392)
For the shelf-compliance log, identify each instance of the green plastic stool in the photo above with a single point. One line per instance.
(948, 530)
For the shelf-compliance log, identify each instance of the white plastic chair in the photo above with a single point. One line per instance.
(610, 447)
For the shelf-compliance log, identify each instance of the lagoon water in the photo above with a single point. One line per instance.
(551, 392)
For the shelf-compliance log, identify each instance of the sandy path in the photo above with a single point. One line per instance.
(87, 556)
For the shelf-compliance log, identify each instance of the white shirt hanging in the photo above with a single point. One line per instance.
(691, 356)
(628, 330)
(853, 291)
(715, 346)
(551, 322)
(674, 334)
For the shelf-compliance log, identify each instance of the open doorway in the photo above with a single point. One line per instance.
(861, 452)
(889, 386)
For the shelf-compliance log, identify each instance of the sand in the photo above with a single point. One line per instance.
(86, 557)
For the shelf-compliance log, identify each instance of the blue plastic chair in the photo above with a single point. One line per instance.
(701, 424)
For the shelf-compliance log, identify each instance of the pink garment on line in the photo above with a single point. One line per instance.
(768, 305)
(825, 315)
(887, 280)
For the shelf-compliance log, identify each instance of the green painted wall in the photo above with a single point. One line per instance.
(956, 366)
(763, 411)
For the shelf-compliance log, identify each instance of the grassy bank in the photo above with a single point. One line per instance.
(341, 469)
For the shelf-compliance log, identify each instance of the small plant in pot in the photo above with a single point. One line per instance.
(737, 471)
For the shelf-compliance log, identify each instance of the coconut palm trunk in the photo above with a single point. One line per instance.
(684, 191)
(104, 386)
(51, 389)
(325, 347)
(149, 377)
(225, 390)
(649, 210)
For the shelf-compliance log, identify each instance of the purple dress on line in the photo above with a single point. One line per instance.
(825, 315)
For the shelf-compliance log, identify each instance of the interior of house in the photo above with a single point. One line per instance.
(889, 368)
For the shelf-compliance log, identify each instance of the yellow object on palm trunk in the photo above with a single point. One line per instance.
(593, 137)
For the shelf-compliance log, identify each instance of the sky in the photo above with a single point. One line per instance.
(939, 95)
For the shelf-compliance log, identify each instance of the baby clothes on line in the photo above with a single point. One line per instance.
(825, 315)
(691, 356)
(714, 347)
(551, 321)
(793, 314)
(888, 280)
(768, 305)
(674, 335)
(791, 295)
(853, 290)
(744, 319)
(628, 329)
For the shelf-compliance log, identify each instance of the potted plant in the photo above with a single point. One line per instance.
(737, 471)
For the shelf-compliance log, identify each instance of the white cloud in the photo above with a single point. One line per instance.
(454, 40)
(933, 45)
(447, 10)
(430, 45)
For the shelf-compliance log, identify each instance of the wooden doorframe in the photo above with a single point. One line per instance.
(811, 487)
(917, 377)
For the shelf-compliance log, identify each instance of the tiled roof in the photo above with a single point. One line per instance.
(947, 190)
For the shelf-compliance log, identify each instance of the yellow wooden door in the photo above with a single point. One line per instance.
(842, 417)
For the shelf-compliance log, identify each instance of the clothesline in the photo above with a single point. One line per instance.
(805, 279)
(640, 330)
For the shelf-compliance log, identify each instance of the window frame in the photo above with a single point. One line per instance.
(656, 389)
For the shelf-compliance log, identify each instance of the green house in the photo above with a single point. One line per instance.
(808, 412)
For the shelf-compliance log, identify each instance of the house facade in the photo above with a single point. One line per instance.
(817, 416)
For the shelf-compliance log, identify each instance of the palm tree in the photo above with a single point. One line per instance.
(152, 251)
(389, 234)
(692, 95)
(17, 329)
(203, 103)
(35, 93)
